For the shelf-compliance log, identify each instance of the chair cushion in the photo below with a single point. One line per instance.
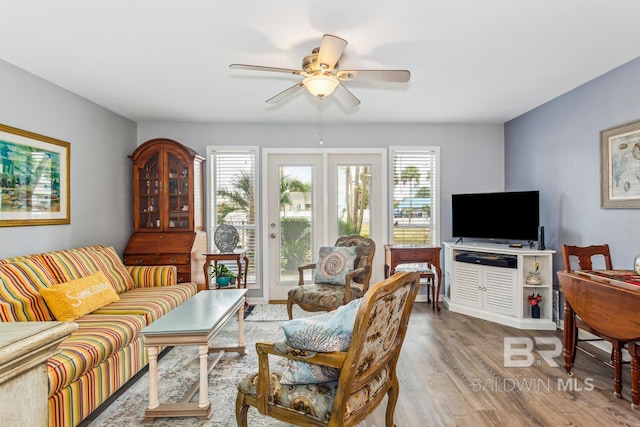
(70, 300)
(334, 262)
(152, 303)
(315, 400)
(329, 296)
(97, 338)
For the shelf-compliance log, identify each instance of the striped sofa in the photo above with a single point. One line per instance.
(107, 349)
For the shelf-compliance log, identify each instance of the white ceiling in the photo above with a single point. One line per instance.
(471, 61)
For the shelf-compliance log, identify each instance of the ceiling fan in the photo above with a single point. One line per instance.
(322, 77)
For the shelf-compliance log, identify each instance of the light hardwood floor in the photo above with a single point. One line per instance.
(452, 373)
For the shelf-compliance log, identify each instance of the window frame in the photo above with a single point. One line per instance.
(212, 211)
(434, 185)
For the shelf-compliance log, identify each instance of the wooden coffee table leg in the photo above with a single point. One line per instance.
(241, 346)
(153, 377)
(203, 353)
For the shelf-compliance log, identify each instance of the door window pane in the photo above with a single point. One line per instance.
(296, 217)
(354, 189)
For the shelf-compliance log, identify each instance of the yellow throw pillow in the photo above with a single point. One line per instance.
(70, 300)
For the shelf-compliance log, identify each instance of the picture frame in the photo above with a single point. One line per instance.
(34, 179)
(620, 166)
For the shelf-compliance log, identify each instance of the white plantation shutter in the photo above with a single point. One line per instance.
(233, 198)
(415, 195)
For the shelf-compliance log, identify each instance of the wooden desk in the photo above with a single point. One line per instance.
(412, 254)
(607, 305)
(238, 255)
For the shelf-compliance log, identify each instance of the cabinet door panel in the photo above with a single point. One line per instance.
(179, 192)
(467, 291)
(147, 206)
(500, 294)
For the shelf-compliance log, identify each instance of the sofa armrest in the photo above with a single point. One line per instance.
(150, 276)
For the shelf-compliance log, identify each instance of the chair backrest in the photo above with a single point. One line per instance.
(585, 256)
(366, 249)
(379, 330)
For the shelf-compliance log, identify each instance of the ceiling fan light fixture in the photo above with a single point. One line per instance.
(321, 84)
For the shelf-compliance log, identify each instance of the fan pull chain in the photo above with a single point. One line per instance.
(320, 118)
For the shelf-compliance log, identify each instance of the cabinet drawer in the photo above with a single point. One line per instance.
(183, 268)
(409, 256)
(156, 259)
(430, 256)
(184, 277)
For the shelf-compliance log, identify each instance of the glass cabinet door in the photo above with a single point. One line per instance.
(149, 194)
(178, 193)
(164, 189)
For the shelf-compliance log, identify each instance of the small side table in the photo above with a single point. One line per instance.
(420, 257)
(237, 255)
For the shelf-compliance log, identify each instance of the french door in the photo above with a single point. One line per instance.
(312, 198)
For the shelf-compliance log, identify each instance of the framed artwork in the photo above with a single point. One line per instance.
(620, 166)
(34, 179)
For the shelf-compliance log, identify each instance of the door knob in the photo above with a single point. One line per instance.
(272, 235)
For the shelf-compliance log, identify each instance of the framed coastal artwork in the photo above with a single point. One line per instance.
(620, 166)
(34, 179)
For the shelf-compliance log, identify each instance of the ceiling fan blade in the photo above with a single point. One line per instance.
(345, 97)
(331, 49)
(263, 68)
(285, 93)
(397, 76)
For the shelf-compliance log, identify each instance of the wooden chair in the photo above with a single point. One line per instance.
(586, 255)
(323, 297)
(367, 368)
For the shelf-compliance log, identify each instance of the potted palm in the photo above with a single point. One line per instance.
(222, 275)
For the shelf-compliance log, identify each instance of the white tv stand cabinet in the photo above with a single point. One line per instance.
(498, 293)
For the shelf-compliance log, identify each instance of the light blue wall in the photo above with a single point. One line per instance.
(471, 156)
(101, 201)
(556, 148)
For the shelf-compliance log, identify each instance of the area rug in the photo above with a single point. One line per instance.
(179, 368)
(276, 312)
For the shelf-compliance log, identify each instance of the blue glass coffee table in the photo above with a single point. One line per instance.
(193, 323)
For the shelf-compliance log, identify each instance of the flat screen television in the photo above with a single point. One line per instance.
(511, 215)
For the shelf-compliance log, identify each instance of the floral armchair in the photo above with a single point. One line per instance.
(367, 370)
(329, 296)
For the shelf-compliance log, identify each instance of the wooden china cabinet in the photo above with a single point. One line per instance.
(168, 209)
